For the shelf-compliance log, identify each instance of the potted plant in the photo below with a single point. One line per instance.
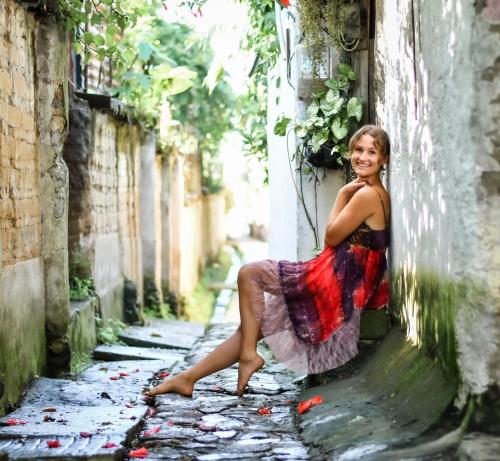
(332, 116)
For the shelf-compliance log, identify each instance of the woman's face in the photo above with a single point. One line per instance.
(366, 157)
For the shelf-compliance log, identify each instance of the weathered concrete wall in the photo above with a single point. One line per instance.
(190, 236)
(129, 164)
(150, 213)
(213, 233)
(33, 199)
(437, 95)
(52, 120)
(185, 221)
(103, 157)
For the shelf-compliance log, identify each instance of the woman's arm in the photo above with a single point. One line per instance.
(352, 207)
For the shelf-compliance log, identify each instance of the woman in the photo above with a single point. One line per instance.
(309, 312)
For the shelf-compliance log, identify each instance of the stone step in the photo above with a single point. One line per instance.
(74, 448)
(100, 402)
(165, 334)
(178, 326)
(117, 352)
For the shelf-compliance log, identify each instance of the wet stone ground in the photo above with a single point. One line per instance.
(215, 424)
(102, 414)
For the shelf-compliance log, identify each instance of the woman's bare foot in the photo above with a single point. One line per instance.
(246, 369)
(178, 384)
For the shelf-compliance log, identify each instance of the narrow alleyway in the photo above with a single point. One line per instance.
(103, 415)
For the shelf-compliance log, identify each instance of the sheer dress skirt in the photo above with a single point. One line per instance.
(295, 331)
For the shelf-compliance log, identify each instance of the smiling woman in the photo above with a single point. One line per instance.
(309, 312)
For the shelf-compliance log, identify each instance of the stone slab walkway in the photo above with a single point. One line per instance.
(102, 415)
(216, 424)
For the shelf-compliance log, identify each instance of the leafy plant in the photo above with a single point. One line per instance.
(108, 330)
(81, 288)
(331, 116)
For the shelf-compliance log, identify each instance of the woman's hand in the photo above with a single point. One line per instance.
(351, 188)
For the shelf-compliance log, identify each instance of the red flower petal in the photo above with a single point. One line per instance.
(155, 429)
(122, 373)
(317, 400)
(53, 443)
(303, 406)
(109, 445)
(85, 434)
(163, 375)
(285, 3)
(113, 378)
(139, 453)
(15, 422)
(147, 434)
(264, 411)
(169, 423)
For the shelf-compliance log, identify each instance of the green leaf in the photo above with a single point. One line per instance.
(313, 109)
(339, 129)
(332, 95)
(318, 140)
(143, 80)
(300, 131)
(95, 20)
(354, 109)
(281, 126)
(345, 71)
(145, 50)
(88, 38)
(99, 40)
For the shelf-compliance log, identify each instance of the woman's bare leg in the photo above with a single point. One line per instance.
(242, 346)
(249, 293)
(223, 356)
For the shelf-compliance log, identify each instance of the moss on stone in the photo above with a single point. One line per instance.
(427, 304)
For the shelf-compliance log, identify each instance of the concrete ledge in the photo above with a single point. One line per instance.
(388, 397)
(82, 329)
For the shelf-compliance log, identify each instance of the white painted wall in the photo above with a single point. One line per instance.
(441, 121)
(290, 235)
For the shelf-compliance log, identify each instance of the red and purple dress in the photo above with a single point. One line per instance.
(311, 310)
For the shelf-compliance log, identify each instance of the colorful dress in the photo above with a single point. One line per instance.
(311, 310)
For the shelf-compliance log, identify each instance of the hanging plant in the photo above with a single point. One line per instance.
(331, 117)
(324, 23)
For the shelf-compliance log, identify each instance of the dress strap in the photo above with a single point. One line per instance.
(383, 207)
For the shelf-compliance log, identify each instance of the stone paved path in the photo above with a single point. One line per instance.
(102, 415)
(216, 424)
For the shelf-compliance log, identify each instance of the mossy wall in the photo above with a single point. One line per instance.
(426, 305)
(437, 97)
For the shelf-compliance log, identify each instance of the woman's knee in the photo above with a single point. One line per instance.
(246, 273)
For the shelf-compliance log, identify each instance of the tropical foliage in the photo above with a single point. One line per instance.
(262, 39)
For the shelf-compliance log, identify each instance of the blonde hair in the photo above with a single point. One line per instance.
(380, 136)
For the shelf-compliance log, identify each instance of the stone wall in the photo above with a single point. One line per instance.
(34, 304)
(213, 232)
(437, 95)
(103, 157)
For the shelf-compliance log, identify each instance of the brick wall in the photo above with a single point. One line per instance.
(103, 157)
(22, 272)
(19, 173)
